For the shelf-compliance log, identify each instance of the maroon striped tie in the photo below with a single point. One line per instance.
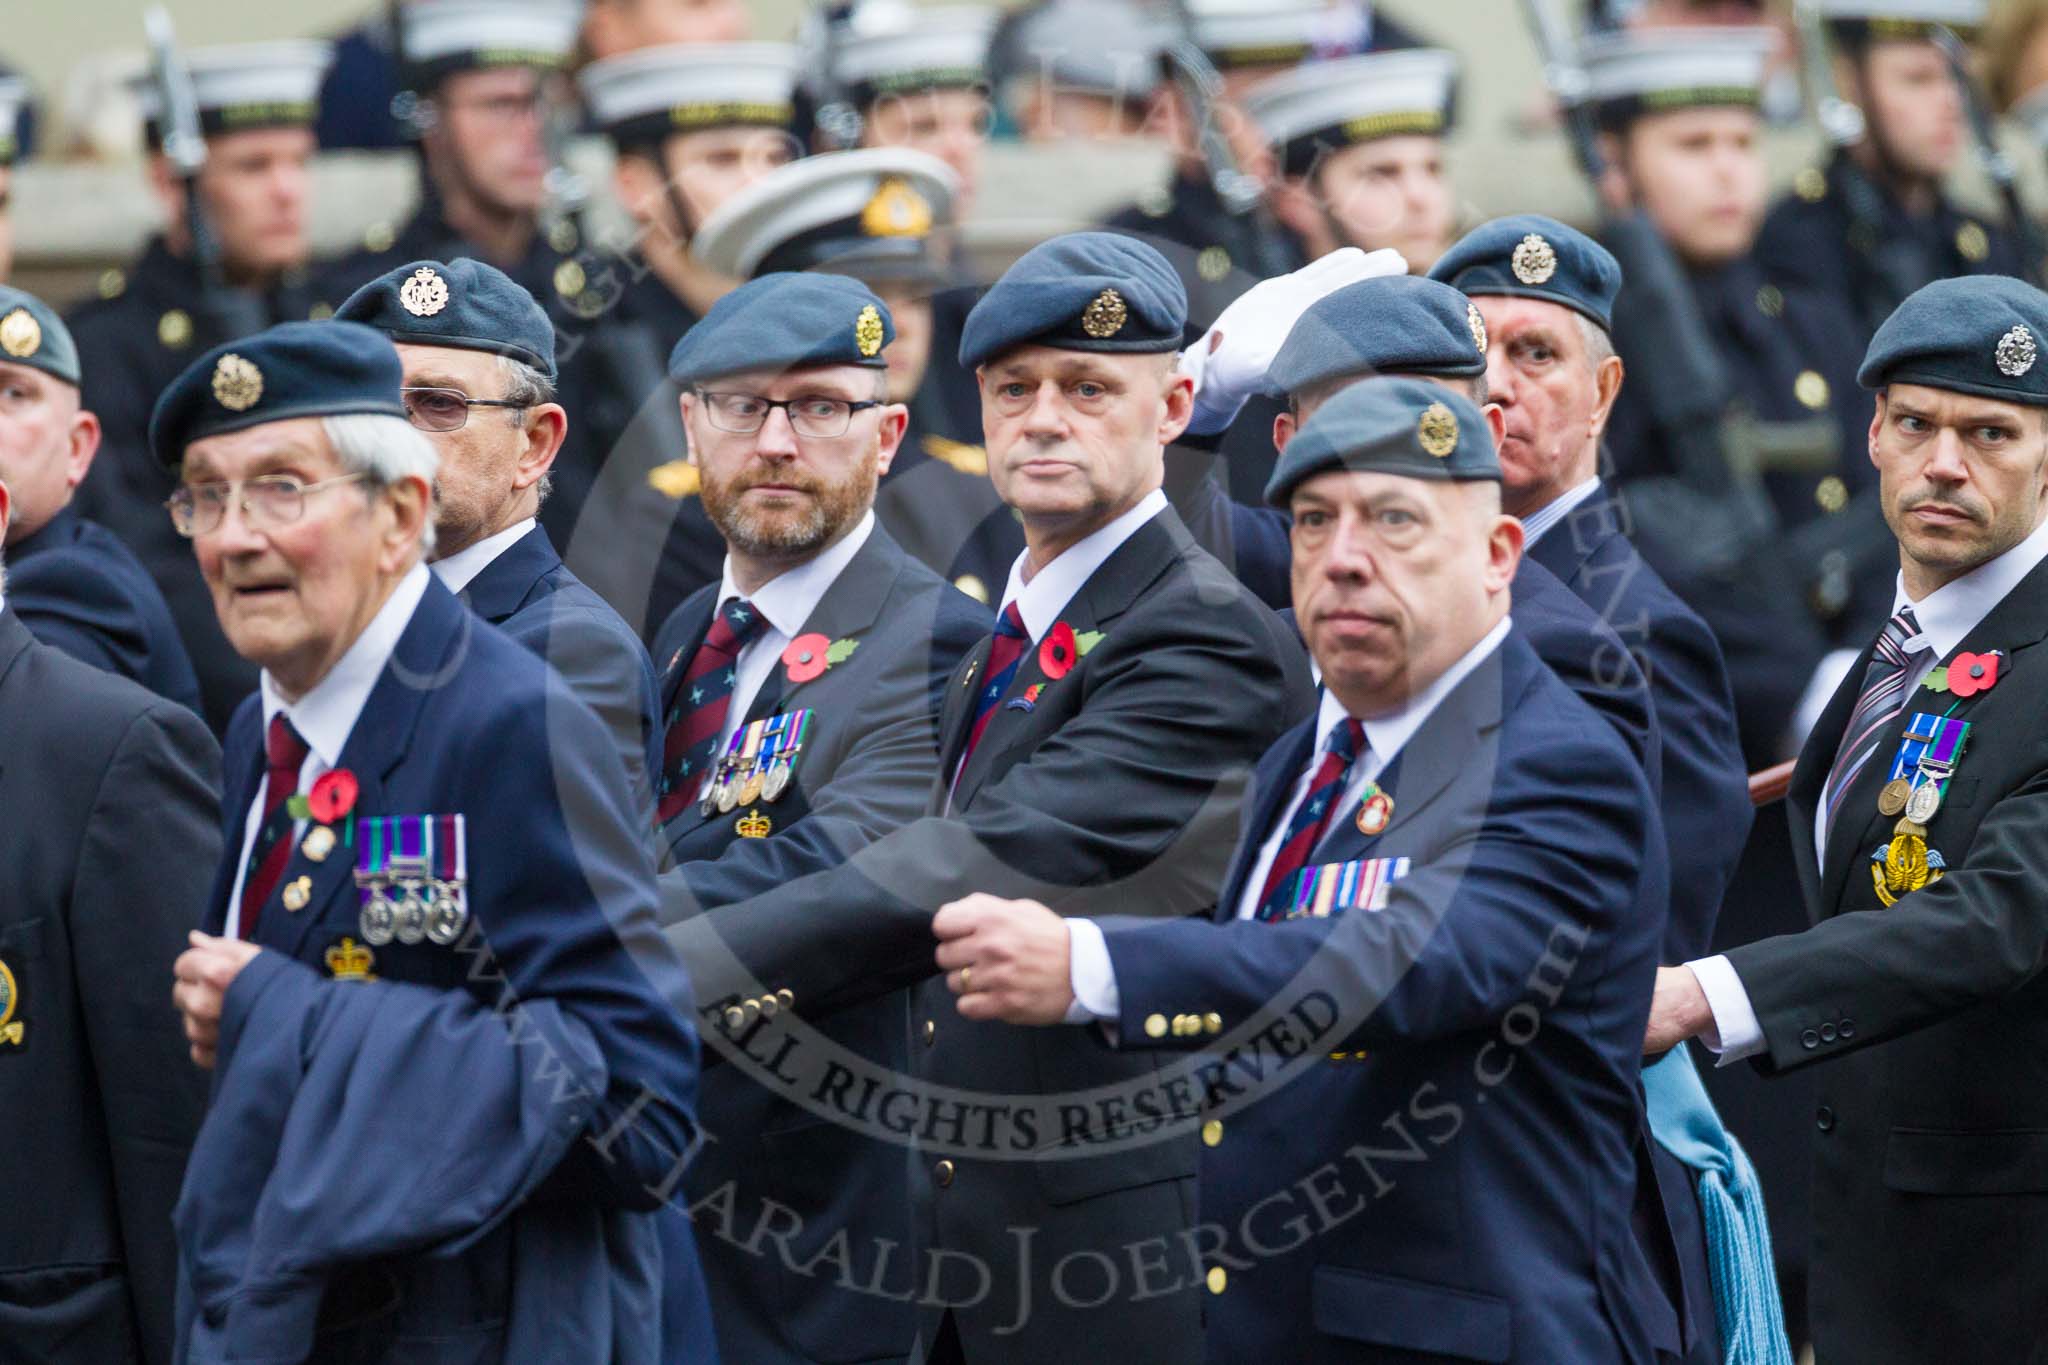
(702, 700)
(1312, 818)
(1882, 698)
(272, 852)
(1005, 652)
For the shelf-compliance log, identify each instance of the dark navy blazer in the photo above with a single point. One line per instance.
(1447, 1167)
(561, 894)
(76, 586)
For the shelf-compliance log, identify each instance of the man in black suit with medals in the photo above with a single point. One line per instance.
(799, 695)
(1091, 752)
(1916, 810)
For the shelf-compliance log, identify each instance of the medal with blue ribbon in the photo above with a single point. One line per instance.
(780, 747)
(412, 871)
(1332, 888)
(1928, 753)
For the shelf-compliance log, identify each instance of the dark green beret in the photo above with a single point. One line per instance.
(1411, 427)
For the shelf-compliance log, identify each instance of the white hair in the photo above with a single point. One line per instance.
(529, 388)
(386, 449)
(1599, 345)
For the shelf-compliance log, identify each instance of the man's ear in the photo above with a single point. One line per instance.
(1876, 425)
(1284, 427)
(1496, 422)
(84, 444)
(547, 425)
(889, 435)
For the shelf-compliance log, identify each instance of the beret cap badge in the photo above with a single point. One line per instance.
(1478, 325)
(20, 333)
(1438, 430)
(867, 330)
(1105, 315)
(425, 294)
(1534, 262)
(2015, 355)
(237, 384)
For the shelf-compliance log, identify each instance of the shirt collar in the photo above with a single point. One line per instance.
(1953, 610)
(1552, 512)
(1041, 601)
(1385, 735)
(458, 570)
(788, 599)
(327, 713)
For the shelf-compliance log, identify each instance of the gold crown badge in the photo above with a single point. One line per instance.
(350, 961)
(753, 825)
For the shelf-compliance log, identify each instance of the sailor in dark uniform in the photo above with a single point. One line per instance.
(255, 108)
(916, 76)
(691, 125)
(884, 216)
(1076, 69)
(1874, 223)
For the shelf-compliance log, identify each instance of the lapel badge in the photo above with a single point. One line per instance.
(20, 333)
(297, 893)
(1105, 315)
(237, 383)
(754, 825)
(1534, 262)
(867, 330)
(1477, 324)
(425, 294)
(349, 960)
(319, 843)
(1375, 811)
(11, 1028)
(2016, 352)
(1437, 430)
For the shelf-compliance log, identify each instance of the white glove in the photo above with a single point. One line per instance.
(1229, 363)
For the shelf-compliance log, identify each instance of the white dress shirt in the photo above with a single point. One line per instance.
(1093, 979)
(785, 603)
(459, 569)
(327, 713)
(1554, 511)
(1946, 616)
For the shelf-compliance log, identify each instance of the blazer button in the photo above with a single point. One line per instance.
(1217, 1278)
(1155, 1026)
(1847, 1028)
(931, 1031)
(1212, 1022)
(786, 998)
(735, 1018)
(1212, 1132)
(943, 1173)
(1824, 1119)
(1809, 1040)
(1827, 1033)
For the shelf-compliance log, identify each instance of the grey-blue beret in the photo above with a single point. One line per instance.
(781, 321)
(1411, 427)
(1532, 257)
(1082, 291)
(1396, 324)
(32, 334)
(1978, 334)
(464, 304)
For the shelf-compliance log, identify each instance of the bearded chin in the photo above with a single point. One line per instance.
(831, 510)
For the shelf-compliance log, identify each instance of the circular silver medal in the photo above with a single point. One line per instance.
(728, 796)
(446, 919)
(1924, 802)
(409, 921)
(777, 781)
(375, 921)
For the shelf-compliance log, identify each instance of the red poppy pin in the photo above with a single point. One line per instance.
(1056, 652)
(809, 655)
(1969, 674)
(333, 795)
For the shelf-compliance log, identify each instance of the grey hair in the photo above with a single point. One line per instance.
(385, 449)
(529, 388)
(1599, 345)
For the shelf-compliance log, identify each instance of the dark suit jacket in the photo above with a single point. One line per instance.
(109, 829)
(561, 898)
(1463, 1193)
(1112, 786)
(79, 588)
(867, 768)
(528, 593)
(1931, 1151)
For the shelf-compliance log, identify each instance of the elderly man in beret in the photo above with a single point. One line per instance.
(1918, 802)
(479, 357)
(800, 694)
(71, 581)
(1453, 867)
(416, 976)
(1091, 752)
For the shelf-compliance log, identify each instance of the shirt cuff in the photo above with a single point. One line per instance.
(1090, 974)
(1736, 1033)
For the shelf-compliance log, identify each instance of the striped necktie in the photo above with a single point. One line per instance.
(702, 700)
(1005, 652)
(1312, 817)
(285, 753)
(1884, 690)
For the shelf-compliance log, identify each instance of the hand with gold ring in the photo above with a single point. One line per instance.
(1004, 959)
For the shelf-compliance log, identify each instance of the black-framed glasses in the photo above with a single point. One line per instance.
(816, 416)
(197, 509)
(446, 409)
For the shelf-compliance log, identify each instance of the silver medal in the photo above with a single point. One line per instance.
(446, 918)
(409, 920)
(777, 781)
(1924, 802)
(375, 921)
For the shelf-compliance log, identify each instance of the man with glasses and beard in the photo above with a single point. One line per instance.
(801, 700)
(479, 357)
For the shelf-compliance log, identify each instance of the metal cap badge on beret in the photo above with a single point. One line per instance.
(464, 304)
(1411, 427)
(295, 369)
(868, 213)
(1396, 324)
(32, 334)
(1082, 291)
(1533, 257)
(1978, 334)
(781, 321)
